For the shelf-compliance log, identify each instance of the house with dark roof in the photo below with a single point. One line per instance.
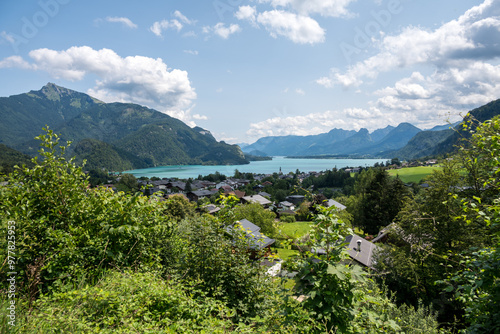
(256, 240)
(237, 193)
(179, 185)
(194, 196)
(336, 204)
(360, 250)
(264, 194)
(296, 199)
(211, 209)
(285, 205)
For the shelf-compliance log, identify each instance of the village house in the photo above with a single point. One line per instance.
(195, 196)
(256, 240)
(360, 250)
(257, 199)
(264, 194)
(296, 199)
(285, 205)
(336, 204)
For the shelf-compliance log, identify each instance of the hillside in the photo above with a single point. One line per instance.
(423, 144)
(100, 155)
(10, 158)
(432, 143)
(24, 115)
(124, 135)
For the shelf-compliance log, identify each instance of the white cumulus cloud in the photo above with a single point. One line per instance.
(123, 20)
(135, 79)
(333, 8)
(298, 28)
(177, 23)
(221, 30)
(473, 35)
(158, 27)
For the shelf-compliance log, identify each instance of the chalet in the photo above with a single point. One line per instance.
(201, 184)
(257, 199)
(336, 204)
(264, 194)
(226, 188)
(360, 250)
(194, 196)
(285, 205)
(222, 185)
(255, 239)
(237, 193)
(211, 209)
(159, 183)
(239, 182)
(171, 186)
(267, 183)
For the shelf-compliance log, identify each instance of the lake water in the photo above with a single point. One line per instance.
(256, 167)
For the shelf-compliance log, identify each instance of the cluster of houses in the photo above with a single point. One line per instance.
(360, 250)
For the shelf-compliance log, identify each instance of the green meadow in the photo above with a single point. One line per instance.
(413, 174)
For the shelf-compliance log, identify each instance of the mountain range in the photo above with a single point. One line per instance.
(338, 142)
(405, 141)
(124, 136)
(115, 136)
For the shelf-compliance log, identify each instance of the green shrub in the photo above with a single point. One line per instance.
(129, 302)
(287, 218)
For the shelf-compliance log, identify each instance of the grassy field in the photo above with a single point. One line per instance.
(286, 253)
(412, 174)
(294, 230)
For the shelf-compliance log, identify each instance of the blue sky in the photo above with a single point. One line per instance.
(246, 69)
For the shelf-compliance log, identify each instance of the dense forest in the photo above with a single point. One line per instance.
(82, 259)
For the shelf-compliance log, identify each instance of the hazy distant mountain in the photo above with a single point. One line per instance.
(379, 134)
(397, 138)
(296, 145)
(338, 142)
(130, 134)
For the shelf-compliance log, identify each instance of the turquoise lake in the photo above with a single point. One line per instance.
(256, 167)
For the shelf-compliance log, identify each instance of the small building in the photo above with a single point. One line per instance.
(336, 204)
(296, 199)
(195, 196)
(264, 194)
(211, 209)
(285, 205)
(361, 250)
(176, 186)
(256, 240)
(257, 199)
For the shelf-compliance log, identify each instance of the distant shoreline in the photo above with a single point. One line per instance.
(332, 157)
